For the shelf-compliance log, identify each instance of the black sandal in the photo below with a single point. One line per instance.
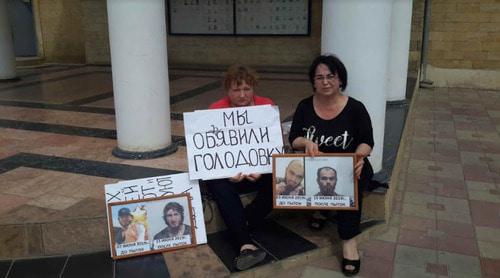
(350, 272)
(316, 224)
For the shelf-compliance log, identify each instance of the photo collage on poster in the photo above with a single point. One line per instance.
(150, 226)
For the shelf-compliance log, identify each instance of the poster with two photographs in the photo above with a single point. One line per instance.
(325, 181)
(154, 225)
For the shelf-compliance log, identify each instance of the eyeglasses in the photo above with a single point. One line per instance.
(328, 77)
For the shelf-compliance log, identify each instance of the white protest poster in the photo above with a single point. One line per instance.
(224, 142)
(161, 186)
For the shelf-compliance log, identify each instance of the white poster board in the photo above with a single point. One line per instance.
(154, 187)
(224, 142)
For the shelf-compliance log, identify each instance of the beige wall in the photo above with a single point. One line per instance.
(61, 30)
(95, 30)
(210, 50)
(465, 34)
(417, 22)
(255, 50)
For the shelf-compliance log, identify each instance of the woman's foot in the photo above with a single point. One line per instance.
(351, 262)
(250, 255)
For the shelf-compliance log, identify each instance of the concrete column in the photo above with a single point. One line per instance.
(400, 49)
(137, 34)
(7, 56)
(358, 32)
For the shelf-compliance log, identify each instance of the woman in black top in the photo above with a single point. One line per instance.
(330, 122)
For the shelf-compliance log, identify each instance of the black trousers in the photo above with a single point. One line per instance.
(239, 220)
(348, 221)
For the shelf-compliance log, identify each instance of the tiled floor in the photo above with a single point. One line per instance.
(446, 213)
(57, 131)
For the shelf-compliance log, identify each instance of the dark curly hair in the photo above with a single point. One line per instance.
(173, 206)
(334, 65)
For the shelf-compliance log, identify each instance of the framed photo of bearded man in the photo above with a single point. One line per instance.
(325, 182)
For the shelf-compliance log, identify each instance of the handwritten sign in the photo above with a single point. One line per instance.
(161, 186)
(224, 142)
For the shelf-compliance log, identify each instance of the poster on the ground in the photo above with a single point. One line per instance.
(141, 227)
(161, 186)
(324, 181)
(224, 142)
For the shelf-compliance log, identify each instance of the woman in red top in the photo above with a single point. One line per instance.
(239, 84)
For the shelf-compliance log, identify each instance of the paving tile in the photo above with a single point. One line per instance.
(316, 272)
(295, 272)
(458, 263)
(28, 214)
(379, 249)
(458, 229)
(19, 241)
(421, 167)
(200, 261)
(459, 245)
(434, 206)
(330, 262)
(477, 173)
(418, 198)
(409, 222)
(449, 170)
(487, 195)
(470, 145)
(415, 256)
(44, 267)
(95, 265)
(452, 192)
(483, 136)
(418, 210)
(487, 234)
(454, 204)
(75, 236)
(489, 249)
(417, 239)
(376, 267)
(473, 158)
(53, 201)
(40, 182)
(491, 147)
(454, 216)
(397, 207)
(411, 271)
(424, 188)
(391, 235)
(437, 269)
(415, 178)
(86, 208)
(485, 214)
(10, 202)
(395, 220)
(83, 186)
(490, 267)
(479, 186)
